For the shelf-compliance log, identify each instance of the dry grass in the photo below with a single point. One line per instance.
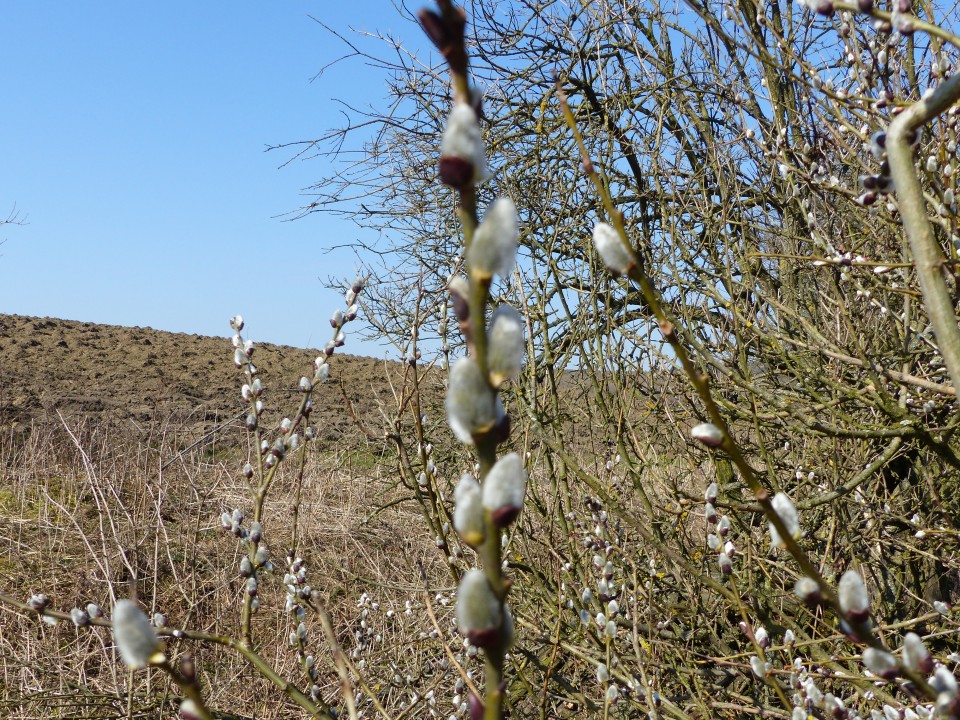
(85, 508)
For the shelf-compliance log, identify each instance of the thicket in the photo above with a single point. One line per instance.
(725, 239)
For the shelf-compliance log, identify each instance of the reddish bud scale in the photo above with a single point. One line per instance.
(503, 516)
(455, 172)
(460, 306)
(477, 707)
(435, 28)
(485, 638)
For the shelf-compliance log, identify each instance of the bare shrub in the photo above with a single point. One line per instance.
(733, 437)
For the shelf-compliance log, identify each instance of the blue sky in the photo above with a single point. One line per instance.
(132, 143)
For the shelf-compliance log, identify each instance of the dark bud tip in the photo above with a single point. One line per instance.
(487, 637)
(435, 28)
(825, 8)
(501, 431)
(460, 307)
(455, 171)
(477, 708)
(504, 516)
(858, 617)
(865, 5)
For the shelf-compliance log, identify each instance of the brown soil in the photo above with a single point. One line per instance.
(86, 371)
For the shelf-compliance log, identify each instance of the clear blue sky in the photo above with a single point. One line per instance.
(132, 141)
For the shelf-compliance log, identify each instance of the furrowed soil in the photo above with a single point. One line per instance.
(66, 371)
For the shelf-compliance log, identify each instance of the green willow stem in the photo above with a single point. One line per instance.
(455, 53)
(928, 258)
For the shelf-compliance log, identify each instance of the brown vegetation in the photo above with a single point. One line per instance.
(121, 448)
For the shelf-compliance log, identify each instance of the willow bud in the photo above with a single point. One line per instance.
(134, 635)
(504, 488)
(189, 710)
(710, 495)
(94, 611)
(468, 511)
(615, 254)
(478, 609)
(785, 508)
(505, 345)
(808, 590)
(494, 247)
(38, 602)
(322, 372)
(880, 662)
(916, 657)
(945, 684)
(759, 667)
(707, 433)
(472, 406)
(710, 513)
(262, 556)
(459, 297)
(852, 593)
(462, 159)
